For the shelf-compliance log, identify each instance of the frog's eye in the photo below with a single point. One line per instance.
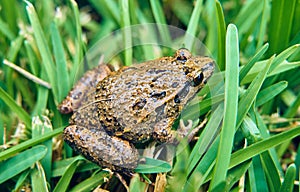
(183, 55)
(198, 79)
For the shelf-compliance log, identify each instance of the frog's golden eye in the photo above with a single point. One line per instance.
(198, 79)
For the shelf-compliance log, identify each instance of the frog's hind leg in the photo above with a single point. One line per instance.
(96, 145)
(77, 96)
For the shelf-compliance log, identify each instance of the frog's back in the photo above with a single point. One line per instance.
(136, 98)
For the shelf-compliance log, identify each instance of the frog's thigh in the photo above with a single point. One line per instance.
(78, 95)
(101, 148)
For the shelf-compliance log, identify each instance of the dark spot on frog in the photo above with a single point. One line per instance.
(156, 71)
(176, 99)
(160, 111)
(174, 84)
(182, 93)
(139, 104)
(158, 95)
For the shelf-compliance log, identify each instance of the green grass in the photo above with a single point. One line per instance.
(251, 139)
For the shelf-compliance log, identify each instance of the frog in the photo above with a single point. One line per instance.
(116, 110)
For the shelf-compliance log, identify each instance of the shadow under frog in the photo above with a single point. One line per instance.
(114, 110)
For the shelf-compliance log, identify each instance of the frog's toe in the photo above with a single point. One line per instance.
(187, 131)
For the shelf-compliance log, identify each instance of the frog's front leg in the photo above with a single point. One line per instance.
(87, 83)
(163, 131)
(105, 150)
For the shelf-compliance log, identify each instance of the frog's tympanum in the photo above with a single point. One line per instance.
(113, 111)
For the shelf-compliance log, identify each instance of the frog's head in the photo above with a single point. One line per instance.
(197, 68)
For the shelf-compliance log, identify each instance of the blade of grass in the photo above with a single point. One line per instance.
(29, 143)
(22, 114)
(193, 24)
(61, 63)
(161, 21)
(289, 179)
(79, 46)
(293, 108)
(4, 28)
(270, 92)
(38, 179)
(107, 8)
(221, 36)
(263, 24)
(92, 182)
(64, 181)
(270, 170)
(249, 96)
(263, 145)
(40, 126)
(245, 154)
(21, 180)
(244, 71)
(21, 162)
(11, 56)
(257, 179)
(126, 32)
(282, 13)
(206, 137)
(230, 108)
(27, 74)
(43, 47)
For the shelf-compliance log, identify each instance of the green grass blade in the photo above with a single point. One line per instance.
(253, 60)
(29, 143)
(282, 13)
(270, 92)
(263, 24)
(193, 25)
(161, 21)
(221, 36)
(263, 145)
(289, 179)
(247, 17)
(108, 9)
(126, 32)
(231, 106)
(61, 63)
(79, 47)
(92, 182)
(272, 174)
(21, 162)
(293, 108)
(64, 181)
(136, 184)
(40, 126)
(284, 55)
(22, 114)
(235, 174)
(40, 38)
(4, 28)
(38, 179)
(21, 180)
(206, 137)
(153, 166)
(257, 179)
(249, 96)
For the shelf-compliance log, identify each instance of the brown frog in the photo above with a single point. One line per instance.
(113, 111)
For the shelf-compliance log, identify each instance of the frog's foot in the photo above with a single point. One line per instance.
(187, 131)
(107, 151)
